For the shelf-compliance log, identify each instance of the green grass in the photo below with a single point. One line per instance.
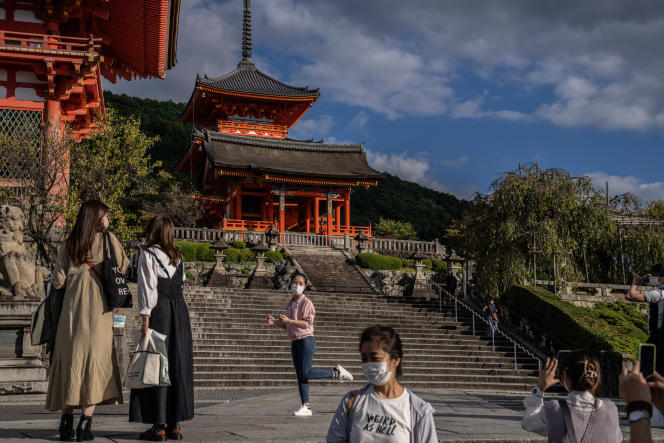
(614, 326)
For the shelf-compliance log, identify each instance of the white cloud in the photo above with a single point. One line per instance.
(315, 128)
(360, 121)
(456, 162)
(582, 64)
(623, 184)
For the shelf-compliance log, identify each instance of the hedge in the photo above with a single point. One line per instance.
(192, 251)
(236, 255)
(438, 265)
(238, 244)
(612, 326)
(273, 256)
(368, 260)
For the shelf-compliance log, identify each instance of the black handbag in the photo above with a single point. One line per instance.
(116, 291)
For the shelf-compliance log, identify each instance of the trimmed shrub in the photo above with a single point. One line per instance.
(426, 262)
(238, 244)
(192, 251)
(273, 256)
(438, 265)
(289, 257)
(235, 255)
(368, 260)
(613, 326)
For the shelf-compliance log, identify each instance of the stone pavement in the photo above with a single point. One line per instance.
(265, 415)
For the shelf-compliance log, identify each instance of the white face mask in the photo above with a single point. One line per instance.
(376, 372)
(297, 290)
(654, 281)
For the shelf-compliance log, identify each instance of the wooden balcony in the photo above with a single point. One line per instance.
(25, 45)
(252, 129)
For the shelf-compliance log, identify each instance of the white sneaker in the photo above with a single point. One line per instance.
(304, 411)
(343, 374)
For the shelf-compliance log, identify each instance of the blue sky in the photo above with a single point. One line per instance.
(452, 93)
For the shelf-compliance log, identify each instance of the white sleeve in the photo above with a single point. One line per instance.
(654, 295)
(184, 271)
(534, 419)
(147, 284)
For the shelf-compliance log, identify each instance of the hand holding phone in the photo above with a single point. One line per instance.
(647, 359)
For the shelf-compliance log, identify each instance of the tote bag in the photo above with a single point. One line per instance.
(116, 291)
(144, 369)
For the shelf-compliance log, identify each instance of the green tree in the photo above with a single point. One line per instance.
(113, 166)
(403, 230)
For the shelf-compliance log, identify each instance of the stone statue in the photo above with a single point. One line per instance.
(282, 271)
(22, 278)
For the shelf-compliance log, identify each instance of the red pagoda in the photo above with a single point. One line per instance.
(251, 174)
(53, 54)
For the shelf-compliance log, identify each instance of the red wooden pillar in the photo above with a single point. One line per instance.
(309, 215)
(347, 209)
(316, 216)
(270, 206)
(282, 211)
(337, 217)
(238, 203)
(329, 214)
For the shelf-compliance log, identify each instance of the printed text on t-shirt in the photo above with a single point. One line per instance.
(380, 424)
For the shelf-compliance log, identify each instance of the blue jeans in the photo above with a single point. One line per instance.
(303, 354)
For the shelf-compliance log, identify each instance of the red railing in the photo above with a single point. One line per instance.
(244, 225)
(42, 43)
(255, 129)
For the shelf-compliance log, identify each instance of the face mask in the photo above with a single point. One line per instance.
(297, 290)
(376, 372)
(654, 281)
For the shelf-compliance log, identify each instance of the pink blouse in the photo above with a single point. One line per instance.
(302, 309)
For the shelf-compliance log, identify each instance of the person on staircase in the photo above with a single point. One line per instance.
(655, 300)
(298, 321)
(84, 370)
(384, 410)
(582, 416)
(164, 310)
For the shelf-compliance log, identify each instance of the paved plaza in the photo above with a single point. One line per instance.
(265, 415)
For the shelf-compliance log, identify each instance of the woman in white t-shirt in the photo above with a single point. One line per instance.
(384, 411)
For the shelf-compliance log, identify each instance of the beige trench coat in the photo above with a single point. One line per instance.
(84, 369)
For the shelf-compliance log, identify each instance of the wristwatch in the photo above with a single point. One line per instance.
(638, 415)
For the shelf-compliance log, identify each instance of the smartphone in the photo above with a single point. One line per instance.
(647, 355)
(562, 354)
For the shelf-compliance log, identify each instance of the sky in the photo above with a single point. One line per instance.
(452, 93)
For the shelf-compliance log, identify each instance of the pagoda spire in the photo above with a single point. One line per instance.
(246, 32)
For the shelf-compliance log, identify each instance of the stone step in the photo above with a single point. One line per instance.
(290, 375)
(344, 340)
(411, 384)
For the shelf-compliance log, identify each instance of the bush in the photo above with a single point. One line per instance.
(402, 229)
(273, 256)
(289, 257)
(238, 244)
(377, 261)
(427, 263)
(192, 251)
(613, 326)
(236, 255)
(439, 265)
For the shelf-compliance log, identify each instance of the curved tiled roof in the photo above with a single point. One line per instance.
(246, 78)
(288, 157)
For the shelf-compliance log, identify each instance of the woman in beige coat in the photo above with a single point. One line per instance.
(84, 372)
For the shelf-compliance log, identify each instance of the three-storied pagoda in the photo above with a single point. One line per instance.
(250, 173)
(53, 54)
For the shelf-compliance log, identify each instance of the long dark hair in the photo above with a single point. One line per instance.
(389, 341)
(88, 225)
(161, 232)
(582, 370)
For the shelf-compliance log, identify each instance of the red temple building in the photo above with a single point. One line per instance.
(53, 54)
(251, 174)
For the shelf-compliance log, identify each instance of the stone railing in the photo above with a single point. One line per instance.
(605, 290)
(402, 248)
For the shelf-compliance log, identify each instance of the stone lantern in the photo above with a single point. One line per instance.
(272, 236)
(453, 261)
(260, 250)
(362, 242)
(419, 286)
(219, 248)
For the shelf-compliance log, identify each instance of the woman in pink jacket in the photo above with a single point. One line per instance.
(298, 321)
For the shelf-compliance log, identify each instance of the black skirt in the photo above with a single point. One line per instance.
(175, 403)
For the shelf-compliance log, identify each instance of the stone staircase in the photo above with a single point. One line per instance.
(234, 347)
(329, 270)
